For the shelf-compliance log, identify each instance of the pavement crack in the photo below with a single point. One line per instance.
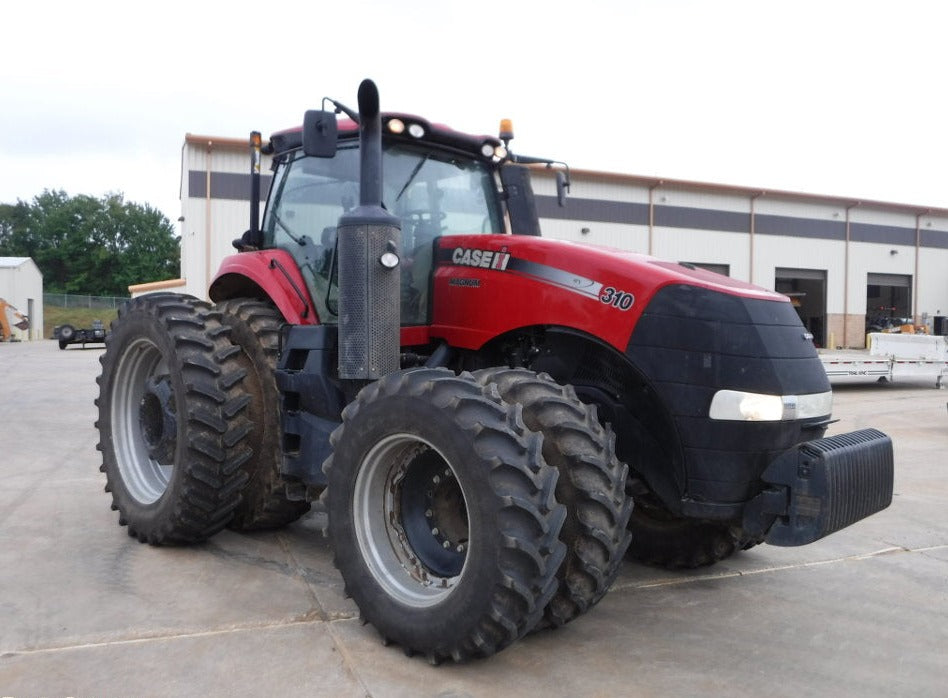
(143, 638)
(318, 611)
(891, 550)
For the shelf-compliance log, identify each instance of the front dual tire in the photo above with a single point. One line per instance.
(442, 514)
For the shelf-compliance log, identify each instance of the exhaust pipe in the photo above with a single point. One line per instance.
(255, 147)
(369, 250)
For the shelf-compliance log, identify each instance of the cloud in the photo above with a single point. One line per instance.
(840, 98)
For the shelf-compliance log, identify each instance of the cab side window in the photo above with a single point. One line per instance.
(302, 216)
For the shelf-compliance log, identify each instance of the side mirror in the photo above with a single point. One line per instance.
(562, 186)
(319, 133)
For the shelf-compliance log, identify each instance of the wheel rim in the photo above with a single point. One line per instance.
(416, 543)
(142, 405)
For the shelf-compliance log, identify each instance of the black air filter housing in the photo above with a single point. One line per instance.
(369, 298)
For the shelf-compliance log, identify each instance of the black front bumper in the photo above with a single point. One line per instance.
(821, 486)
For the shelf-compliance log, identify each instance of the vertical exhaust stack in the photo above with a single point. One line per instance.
(369, 249)
(255, 148)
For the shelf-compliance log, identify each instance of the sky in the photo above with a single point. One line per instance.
(843, 98)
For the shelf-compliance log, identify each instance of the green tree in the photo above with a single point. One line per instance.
(89, 245)
(14, 230)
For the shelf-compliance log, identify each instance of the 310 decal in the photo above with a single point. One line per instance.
(616, 298)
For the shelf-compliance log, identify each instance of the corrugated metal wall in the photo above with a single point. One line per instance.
(215, 197)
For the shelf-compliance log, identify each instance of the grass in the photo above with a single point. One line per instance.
(77, 317)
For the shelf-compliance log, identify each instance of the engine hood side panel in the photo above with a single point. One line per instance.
(486, 285)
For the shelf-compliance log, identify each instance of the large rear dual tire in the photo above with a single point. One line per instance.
(172, 480)
(172, 420)
(255, 328)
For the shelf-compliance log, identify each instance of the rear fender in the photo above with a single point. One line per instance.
(267, 274)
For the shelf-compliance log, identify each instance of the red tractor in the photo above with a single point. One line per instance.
(477, 407)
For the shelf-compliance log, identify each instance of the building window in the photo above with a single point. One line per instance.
(723, 269)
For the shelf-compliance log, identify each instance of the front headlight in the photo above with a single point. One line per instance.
(737, 405)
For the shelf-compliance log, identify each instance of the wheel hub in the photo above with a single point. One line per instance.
(433, 515)
(414, 525)
(157, 419)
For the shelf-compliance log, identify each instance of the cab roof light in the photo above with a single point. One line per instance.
(506, 131)
(396, 126)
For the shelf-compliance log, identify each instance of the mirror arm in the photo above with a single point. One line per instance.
(342, 109)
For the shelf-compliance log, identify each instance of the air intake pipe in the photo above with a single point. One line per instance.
(369, 251)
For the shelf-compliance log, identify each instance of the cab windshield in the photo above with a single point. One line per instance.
(433, 192)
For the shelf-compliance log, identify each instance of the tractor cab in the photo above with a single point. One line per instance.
(434, 181)
(433, 189)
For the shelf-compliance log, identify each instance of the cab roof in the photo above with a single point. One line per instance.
(292, 138)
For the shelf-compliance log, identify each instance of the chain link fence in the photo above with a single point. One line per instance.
(66, 300)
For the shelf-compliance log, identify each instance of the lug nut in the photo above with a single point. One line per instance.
(429, 513)
(434, 531)
(436, 479)
(446, 545)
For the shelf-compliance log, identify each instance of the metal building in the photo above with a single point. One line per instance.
(846, 264)
(21, 285)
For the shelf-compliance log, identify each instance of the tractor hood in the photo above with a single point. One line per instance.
(486, 285)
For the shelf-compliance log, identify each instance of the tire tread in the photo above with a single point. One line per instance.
(591, 485)
(205, 486)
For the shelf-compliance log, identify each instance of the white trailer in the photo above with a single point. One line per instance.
(890, 357)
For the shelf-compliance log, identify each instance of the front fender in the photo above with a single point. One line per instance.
(269, 274)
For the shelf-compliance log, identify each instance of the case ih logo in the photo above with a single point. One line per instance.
(485, 259)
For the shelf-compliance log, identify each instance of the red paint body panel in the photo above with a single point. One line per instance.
(256, 267)
(263, 269)
(506, 282)
(553, 282)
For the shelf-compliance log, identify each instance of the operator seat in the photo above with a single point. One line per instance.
(327, 243)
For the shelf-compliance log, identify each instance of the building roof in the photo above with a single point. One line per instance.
(11, 262)
(742, 190)
(225, 143)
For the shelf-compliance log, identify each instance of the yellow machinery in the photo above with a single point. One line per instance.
(10, 317)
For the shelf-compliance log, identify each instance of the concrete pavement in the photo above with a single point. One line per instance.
(87, 611)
